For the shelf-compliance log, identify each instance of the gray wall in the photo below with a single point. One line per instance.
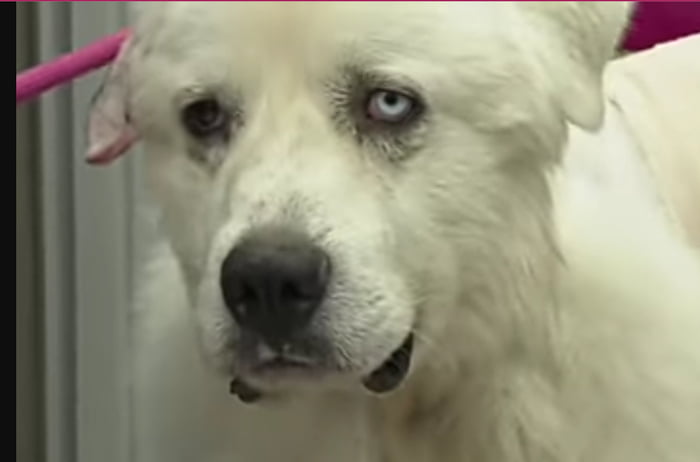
(28, 312)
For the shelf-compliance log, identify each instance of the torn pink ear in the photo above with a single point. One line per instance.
(110, 131)
(110, 134)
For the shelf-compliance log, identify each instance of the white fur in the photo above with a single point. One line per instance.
(556, 312)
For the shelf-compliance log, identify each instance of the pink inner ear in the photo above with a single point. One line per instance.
(106, 153)
(110, 132)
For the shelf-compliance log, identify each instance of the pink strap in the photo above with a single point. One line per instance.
(41, 78)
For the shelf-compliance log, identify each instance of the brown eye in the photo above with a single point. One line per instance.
(206, 118)
(390, 106)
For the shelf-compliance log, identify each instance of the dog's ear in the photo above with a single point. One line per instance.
(577, 40)
(110, 131)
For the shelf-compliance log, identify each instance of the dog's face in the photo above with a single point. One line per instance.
(347, 184)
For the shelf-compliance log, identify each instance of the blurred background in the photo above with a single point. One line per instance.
(77, 241)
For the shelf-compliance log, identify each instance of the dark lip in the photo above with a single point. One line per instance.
(248, 387)
(393, 371)
(387, 377)
(282, 364)
(244, 391)
(276, 368)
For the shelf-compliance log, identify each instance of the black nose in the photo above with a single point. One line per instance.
(273, 281)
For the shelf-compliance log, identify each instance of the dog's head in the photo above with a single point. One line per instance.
(341, 181)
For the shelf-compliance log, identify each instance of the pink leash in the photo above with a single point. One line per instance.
(44, 77)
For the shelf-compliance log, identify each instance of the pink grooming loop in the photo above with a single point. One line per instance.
(41, 78)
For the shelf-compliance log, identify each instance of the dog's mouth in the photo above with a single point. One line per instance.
(391, 373)
(387, 377)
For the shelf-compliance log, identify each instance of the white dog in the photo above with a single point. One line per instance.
(394, 234)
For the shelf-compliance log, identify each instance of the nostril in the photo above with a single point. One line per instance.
(239, 293)
(313, 283)
(248, 294)
(246, 300)
(292, 292)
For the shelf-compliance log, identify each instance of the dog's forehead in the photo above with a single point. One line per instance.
(265, 53)
(263, 30)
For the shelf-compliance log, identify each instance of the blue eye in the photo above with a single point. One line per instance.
(390, 106)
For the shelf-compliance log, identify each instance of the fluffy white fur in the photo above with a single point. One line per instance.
(556, 312)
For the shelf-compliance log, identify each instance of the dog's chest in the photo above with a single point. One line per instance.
(413, 427)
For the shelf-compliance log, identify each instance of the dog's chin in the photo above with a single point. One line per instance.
(275, 378)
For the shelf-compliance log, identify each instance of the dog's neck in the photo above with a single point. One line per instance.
(418, 420)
